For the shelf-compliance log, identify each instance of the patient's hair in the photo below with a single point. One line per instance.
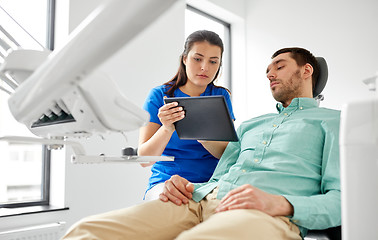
(302, 56)
(181, 78)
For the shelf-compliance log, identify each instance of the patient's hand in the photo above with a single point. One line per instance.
(177, 190)
(250, 197)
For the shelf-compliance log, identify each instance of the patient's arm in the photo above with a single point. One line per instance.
(177, 190)
(216, 148)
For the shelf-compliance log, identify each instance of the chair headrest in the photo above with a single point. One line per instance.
(323, 76)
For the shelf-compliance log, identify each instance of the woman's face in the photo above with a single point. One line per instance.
(202, 63)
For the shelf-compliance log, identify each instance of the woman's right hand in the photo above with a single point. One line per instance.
(170, 113)
(153, 138)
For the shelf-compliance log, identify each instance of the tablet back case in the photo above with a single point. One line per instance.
(206, 118)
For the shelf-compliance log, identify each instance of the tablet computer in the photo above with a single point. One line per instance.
(206, 118)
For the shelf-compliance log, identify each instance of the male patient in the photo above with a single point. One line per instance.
(279, 180)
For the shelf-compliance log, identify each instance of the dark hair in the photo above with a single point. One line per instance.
(302, 56)
(181, 78)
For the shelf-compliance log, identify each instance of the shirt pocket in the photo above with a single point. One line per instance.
(304, 139)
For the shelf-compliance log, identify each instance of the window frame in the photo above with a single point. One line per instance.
(46, 152)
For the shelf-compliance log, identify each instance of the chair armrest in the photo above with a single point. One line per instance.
(326, 234)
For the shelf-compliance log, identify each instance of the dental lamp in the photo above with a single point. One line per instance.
(61, 95)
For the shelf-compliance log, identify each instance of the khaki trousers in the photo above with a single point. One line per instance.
(160, 220)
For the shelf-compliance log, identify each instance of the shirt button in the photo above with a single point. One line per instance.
(256, 160)
(285, 114)
(264, 142)
(274, 125)
(243, 171)
(300, 108)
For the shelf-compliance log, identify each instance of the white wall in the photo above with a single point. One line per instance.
(345, 33)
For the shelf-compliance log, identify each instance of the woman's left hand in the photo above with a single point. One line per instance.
(216, 148)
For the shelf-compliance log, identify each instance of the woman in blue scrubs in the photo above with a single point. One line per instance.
(200, 64)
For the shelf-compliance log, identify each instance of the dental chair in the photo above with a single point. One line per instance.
(335, 232)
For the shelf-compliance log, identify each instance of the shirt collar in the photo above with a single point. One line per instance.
(301, 103)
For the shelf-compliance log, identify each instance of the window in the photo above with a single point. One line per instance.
(198, 20)
(24, 168)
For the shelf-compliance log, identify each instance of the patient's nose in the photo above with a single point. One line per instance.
(271, 75)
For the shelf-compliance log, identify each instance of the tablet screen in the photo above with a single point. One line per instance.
(206, 118)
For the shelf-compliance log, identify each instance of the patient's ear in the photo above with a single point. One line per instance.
(308, 70)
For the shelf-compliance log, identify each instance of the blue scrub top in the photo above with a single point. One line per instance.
(192, 160)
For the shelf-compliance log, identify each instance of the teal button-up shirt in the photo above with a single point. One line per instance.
(294, 153)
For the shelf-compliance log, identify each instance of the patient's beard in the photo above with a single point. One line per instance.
(289, 89)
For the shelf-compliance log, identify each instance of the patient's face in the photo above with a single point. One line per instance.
(285, 78)
(202, 63)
